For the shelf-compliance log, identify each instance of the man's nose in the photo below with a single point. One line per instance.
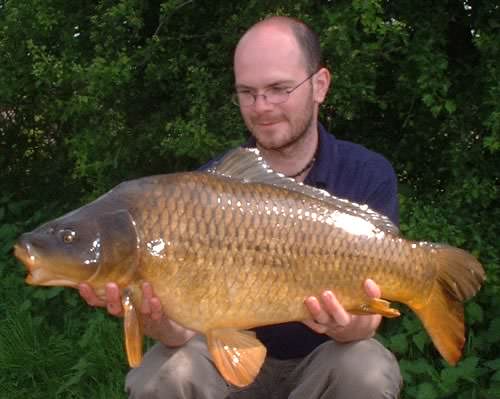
(261, 103)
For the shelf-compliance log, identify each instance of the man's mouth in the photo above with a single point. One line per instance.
(267, 123)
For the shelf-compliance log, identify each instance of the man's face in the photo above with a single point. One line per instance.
(269, 58)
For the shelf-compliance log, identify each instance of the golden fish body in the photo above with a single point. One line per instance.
(240, 247)
(226, 254)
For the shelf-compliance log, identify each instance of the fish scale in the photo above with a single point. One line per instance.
(241, 246)
(315, 250)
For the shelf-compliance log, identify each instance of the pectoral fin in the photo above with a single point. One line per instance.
(133, 330)
(377, 306)
(238, 355)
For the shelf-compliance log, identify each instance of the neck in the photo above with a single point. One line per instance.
(294, 160)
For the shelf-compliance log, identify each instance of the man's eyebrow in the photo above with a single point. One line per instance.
(277, 83)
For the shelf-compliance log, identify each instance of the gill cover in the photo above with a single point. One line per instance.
(119, 261)
(119, 248)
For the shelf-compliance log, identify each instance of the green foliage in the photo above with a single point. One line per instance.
(104, 91)
(52, 345)
(459, 216)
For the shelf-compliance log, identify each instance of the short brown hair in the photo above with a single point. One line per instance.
(309, 43)
(307, 39)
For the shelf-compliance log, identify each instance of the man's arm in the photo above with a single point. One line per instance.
(156, 324)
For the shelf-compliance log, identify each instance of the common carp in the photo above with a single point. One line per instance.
(241, 246)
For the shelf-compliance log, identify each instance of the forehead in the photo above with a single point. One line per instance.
(267, 54)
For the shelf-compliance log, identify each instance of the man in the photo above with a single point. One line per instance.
(280, 85)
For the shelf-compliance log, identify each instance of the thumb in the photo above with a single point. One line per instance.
(372, 289)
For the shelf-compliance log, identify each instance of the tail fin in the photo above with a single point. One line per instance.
(460, 276)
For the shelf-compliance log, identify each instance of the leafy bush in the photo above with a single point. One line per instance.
(111, 90)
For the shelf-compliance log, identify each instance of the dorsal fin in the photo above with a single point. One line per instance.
(248, 165)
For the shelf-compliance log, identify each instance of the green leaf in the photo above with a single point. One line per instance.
(399, 343)
(44, 293)
(493, 392)
(17, 208)
(8, 232)
(450, 106)
(450, 376)
(426, 391)
(474, 313)
(420, 340)
(493, 333)
(411, 324)
(493, 364)
(469, 364)
(418, 366)
(496, 376)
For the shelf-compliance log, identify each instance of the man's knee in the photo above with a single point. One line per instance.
(372, 366)
(173, 377)
(172, 373)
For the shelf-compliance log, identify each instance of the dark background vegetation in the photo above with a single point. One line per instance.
(96, 92)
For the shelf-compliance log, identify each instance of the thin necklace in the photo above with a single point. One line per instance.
(308, 165)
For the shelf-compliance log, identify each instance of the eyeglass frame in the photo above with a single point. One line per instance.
(234, 96)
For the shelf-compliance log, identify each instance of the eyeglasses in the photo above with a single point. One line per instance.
(273, 95)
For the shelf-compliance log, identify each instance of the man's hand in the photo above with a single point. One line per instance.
(329, 317)
(156, 325)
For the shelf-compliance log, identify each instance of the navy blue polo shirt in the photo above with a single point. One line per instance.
(346, 170)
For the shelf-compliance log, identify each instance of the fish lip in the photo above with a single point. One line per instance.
(36, 273)
(22, 251)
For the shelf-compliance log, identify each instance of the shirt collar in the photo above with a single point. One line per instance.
(325, 155)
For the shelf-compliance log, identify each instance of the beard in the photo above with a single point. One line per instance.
(292, 128)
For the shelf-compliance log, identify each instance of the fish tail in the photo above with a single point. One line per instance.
(459, 277)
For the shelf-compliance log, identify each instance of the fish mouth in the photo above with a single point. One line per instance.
(37, 274)
(22, 252)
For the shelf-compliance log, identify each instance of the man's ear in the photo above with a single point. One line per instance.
(321, 84)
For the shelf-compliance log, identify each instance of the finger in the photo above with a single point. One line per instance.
(151, 304)
(88, 294)
(319, 328)
(372, 289)
(317, 312)
(113, 299)
(147, 295)
(335, 308)
(156, 309)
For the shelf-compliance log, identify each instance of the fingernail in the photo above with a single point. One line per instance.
(328, 295)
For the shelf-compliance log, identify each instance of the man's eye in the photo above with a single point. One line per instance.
(277, 90)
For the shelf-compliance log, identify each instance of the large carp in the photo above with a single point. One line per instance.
(240, 246)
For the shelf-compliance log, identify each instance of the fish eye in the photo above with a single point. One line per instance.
(68, 236)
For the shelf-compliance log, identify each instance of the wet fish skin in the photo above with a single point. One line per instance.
(247, 252)
(235, 249)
